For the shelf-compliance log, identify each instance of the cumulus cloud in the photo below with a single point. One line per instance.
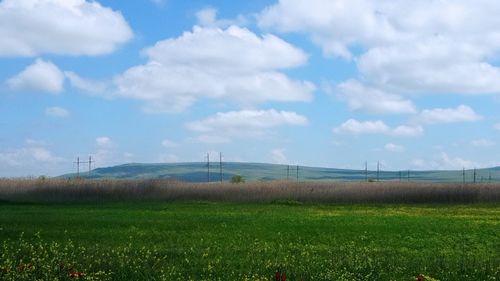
(56, 111)
(442, 161)
(41, 76)
(278, 156)
(225, 126)
(394, 147)
(208, 17)
(355, 127)
(66, 27)
(232, 64)
(363, 98)
(87, 85)
(483, 143)
(416, 47)
(462, 113)
(28, 155)
(159, 3)
(32, 158)
(169, 143)
(103, 141)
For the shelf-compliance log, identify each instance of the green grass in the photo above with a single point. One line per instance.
(230, 241)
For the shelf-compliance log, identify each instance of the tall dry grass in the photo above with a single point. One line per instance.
(59, 190)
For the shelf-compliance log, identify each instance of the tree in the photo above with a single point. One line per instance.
(237, 179)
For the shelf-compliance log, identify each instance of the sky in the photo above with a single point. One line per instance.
(328, 83)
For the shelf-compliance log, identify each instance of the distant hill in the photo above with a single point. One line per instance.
(197, 172)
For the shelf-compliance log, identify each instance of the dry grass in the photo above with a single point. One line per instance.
(55, 190)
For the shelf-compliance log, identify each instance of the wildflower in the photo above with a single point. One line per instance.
(283, 277)
(76, 274)
(277, 274)
(420, 277)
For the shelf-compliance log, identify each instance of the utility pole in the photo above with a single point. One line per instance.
(220, 165)
(474, 175)
(208, 167)
(463, 176)
(77, 167)
(90, 164)
(366, 171)
(378, 170)
(297, 172)
(408, 175)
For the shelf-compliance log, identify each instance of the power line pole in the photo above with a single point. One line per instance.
(220, 165)
(463, 176)
(297, 172)
(366, 171)
(208, 167)
(287, 172)
(474, 175)
(77, 167)
(378, 170)
(90, 164)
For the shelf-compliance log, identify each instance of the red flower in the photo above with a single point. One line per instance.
(277, 274)
(420, 277)
(283, 277)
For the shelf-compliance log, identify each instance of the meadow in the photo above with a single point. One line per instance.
(149, 230)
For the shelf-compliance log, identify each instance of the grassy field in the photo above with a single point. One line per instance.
(248, 241)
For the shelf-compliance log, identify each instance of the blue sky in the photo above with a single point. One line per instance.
(329, 83)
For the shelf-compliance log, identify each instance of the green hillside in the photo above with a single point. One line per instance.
(197, 172)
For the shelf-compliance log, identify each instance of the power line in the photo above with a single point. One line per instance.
(366, 171)
(378, 170)
(208, 167)
(220, 165)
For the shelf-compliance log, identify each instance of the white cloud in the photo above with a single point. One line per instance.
(32, 154)
(455, 163)
(483, 143)
(43, 76)
(66, 27)
(405, 47)
(169, 158)
(356, 127)
(408, 131)
(87, 85)
(56, 111)
(497, 126)
(103, 141)
(169, 144)
(208, 18)
(233, 64)
(443, 161)
(223, 127)
(462, 113)
(278, 156)
(394, 147)
(361, 97)
(212, 139)
(159, 3)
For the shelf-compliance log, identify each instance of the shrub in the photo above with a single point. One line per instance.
(237, 179)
